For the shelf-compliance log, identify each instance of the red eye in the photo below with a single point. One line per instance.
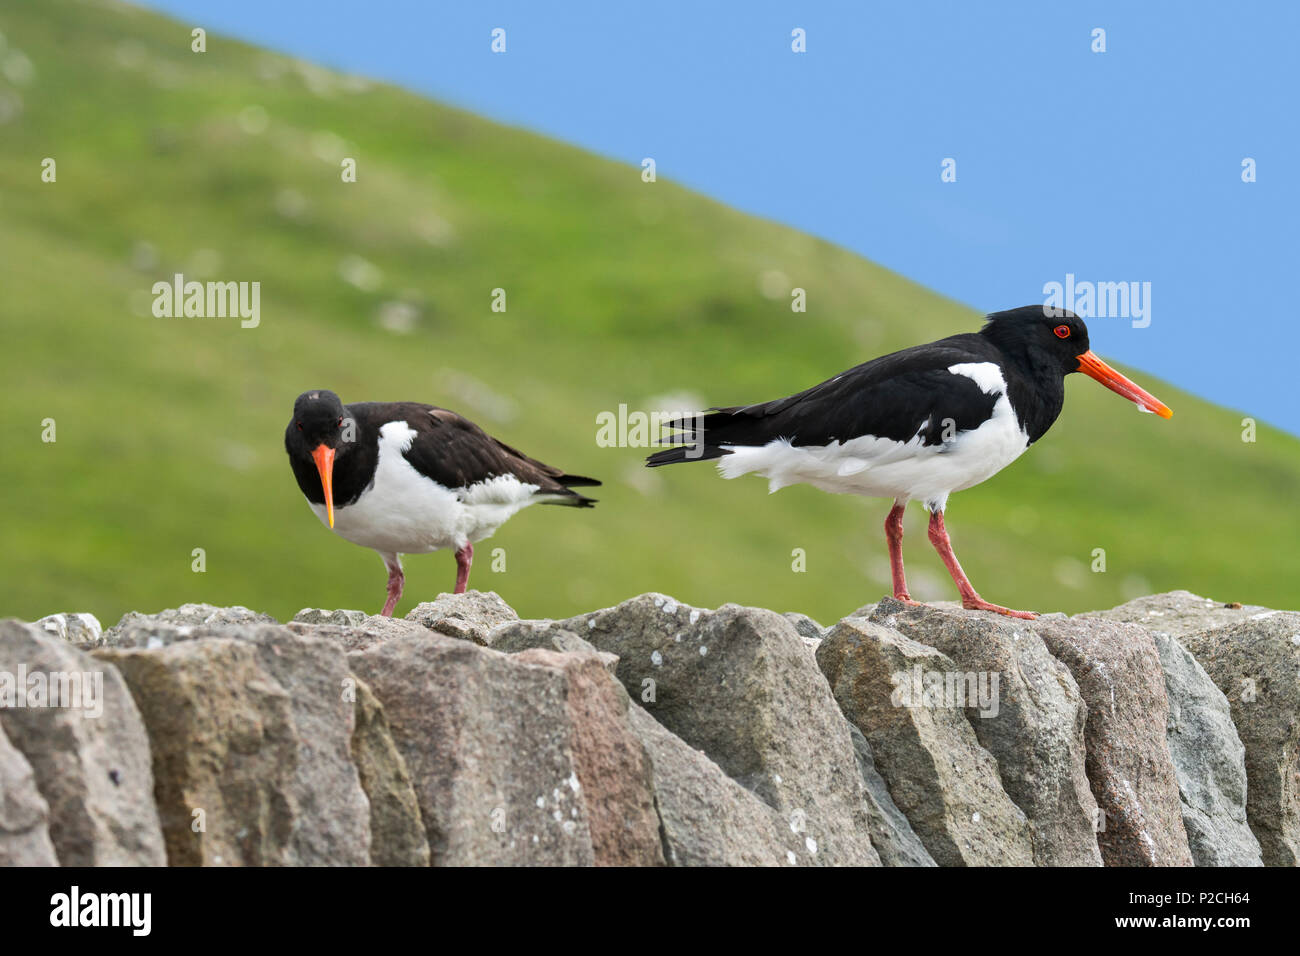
(340, 423)
(1062, 331)
(299, 426)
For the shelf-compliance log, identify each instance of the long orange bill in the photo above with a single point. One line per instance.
(324, 458)
(1094, 367)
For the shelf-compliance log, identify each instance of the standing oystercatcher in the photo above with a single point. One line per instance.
(916, 424)
(405, 478)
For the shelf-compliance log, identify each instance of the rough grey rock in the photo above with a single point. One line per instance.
(1178, 613)
(397, 836)
(708, 819)
(24, 814)
(611, 764)
(523, 635)
(938, 774)
(739, 684)
(891, 834)
(1210, 762)
(470, 616)
(459, 753)
(370, 631)
(340, 617)
(1256, 664)
(83, 630)
(255, 731)
(497, 746)
(90, 756)
(172, 624)
(1117, 670)
(811, 632)
(1031, 721)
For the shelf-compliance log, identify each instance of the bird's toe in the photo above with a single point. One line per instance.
(979, 604)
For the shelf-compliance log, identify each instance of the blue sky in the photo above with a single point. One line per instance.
(1122, 166)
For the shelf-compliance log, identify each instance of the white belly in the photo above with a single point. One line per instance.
(884, 468)
(404, 512)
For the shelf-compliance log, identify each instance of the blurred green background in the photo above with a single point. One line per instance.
(226, 166)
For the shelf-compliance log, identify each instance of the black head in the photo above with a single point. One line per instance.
(1048, 344)
(1040, 338)
(320, 429)
(318, 419)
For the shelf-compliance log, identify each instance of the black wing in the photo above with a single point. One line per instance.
(896, 396)
(456, 453)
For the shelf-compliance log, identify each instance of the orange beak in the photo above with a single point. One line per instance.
(1094, 367)
(324, 458)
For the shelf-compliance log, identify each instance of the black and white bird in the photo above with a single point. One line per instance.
(406, 478)
(913, 425)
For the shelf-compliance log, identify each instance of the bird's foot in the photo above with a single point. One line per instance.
(977, 603)
(907, 599)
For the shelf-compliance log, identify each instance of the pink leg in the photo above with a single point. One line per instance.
(894, 535)
(396, 579)
(969, 599)
(464, 558)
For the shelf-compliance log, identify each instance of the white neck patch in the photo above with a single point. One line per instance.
(397, 434)
(986, 375)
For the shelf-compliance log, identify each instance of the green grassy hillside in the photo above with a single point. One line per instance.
(225, 165)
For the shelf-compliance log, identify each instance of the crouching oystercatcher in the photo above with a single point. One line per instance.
(405, 478)
(913, 425)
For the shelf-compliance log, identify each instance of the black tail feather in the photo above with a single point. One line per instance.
(686, 452)
(573, 500)
(689, 443)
